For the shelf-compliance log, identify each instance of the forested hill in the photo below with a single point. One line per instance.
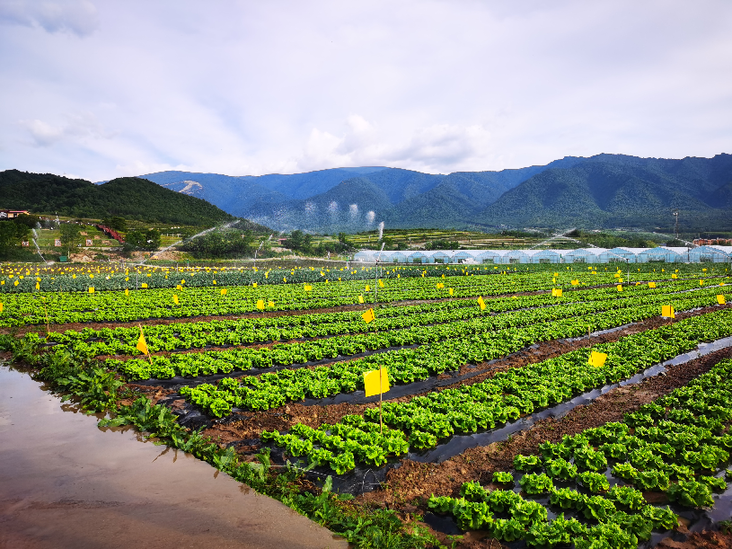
(129, 197)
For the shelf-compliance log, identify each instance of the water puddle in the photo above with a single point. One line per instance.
(66, 483)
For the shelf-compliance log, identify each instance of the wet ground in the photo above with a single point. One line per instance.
(66, 483)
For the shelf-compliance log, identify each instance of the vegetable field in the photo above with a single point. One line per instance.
(550, 405)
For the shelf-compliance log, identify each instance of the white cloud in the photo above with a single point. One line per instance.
(79, 17)
(285, 86)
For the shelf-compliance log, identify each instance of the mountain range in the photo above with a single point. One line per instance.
(606, 190)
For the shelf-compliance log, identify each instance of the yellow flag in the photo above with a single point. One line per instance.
(597, 359)
(651, 284)
(260, 304)
(223, 291)
(368, 316)
(720, 300)
(620, 287)
(91, 289)
(450, 290)
(376, 382)
(142, 344)
(667, 311)
(360, 299)
(481, 303)
(175, 299)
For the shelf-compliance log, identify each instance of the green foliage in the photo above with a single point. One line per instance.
(147, 240)
(227, 243)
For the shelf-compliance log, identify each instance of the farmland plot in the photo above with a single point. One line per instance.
(261, 373)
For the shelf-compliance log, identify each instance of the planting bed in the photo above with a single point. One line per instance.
(261, 374)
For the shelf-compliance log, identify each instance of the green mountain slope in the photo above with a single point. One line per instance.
(128, 197)
(615, 190)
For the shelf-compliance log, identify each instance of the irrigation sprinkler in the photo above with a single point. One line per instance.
(376, 279)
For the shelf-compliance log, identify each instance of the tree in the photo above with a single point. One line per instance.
(148, 240)
(11, 234)
(70, 237)
(115, 223)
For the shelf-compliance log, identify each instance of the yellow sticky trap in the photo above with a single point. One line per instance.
(651, 284)
(381, 283)
(91, 289)
(127, 292)
(260, 304)
(667, 311)
(620, 287)
(175, 299)
(440, 285)
(368, 316)
(360, 299)
(481, 303)
(701, 283)
(270, 304)
(720, 300)
(376, 382)
(368, 288)
(674, 275)
(308, 287)
(38, 286)
(575, 283)
(223, 292)
(254, 284)
(597, 359)
(557, 292)
(1, 307)
(450, 291)
(141, 343)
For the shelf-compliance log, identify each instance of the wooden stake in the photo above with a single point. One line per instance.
(381, 393)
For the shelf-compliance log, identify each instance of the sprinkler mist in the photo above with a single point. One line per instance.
(225, 226)
(381, 230)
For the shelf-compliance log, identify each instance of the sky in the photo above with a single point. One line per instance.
(99, 89)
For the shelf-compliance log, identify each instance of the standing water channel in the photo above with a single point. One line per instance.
(66, 483)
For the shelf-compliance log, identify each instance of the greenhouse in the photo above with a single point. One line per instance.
(548, 256)
(584, 255)
(663, 254)
(711, 254)
(620, 255)
(418, 257)
(490, 256)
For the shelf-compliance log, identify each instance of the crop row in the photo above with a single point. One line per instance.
(679, 445)
(108, 341)
(429, 418)
(405, 366)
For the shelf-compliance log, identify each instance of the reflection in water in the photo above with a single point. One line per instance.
(66, 483)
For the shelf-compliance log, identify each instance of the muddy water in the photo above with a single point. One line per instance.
(66, 483)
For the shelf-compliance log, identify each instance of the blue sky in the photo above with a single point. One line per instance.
(100, 88)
